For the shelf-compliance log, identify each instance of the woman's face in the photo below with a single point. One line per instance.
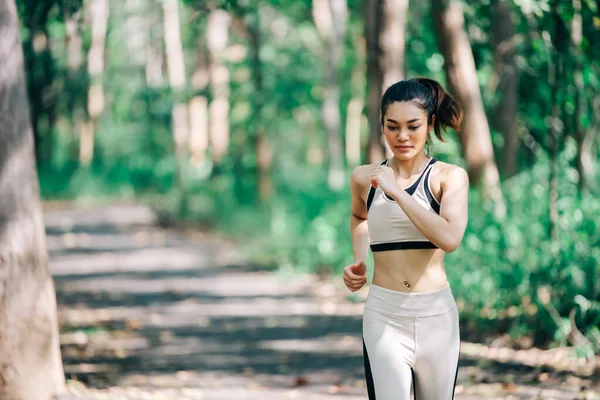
(405, 129)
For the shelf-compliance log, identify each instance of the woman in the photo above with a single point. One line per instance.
(411, 210)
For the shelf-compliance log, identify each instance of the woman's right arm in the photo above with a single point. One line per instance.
(358, 215)
(354, 275)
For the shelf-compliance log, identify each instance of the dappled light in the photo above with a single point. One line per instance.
(208, 173)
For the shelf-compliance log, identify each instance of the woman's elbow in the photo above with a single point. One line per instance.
(450, 245)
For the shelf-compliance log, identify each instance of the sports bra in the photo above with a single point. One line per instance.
(389, 227)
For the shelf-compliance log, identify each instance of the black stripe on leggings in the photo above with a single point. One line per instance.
(414, 383)
(368, 374)
(456, 374)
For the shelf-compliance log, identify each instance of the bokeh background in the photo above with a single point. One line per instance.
(245, 118)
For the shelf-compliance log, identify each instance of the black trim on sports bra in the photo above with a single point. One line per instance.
(372, 192)
(411, 189)
(430, 198)
(402, 246)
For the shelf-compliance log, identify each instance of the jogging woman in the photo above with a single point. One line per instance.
(410, 210)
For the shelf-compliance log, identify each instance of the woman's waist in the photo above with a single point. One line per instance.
(410, 304)
(411, 275)
(414, 262)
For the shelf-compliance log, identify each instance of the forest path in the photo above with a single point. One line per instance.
(153, 313)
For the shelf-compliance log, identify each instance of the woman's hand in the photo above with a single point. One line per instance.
(354, 275)
(383, 177)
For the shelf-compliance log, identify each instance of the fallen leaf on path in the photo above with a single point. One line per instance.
(301, 381)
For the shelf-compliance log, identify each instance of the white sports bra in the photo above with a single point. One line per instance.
(389, 227)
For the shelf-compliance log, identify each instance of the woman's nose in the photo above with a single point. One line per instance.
(402, 134)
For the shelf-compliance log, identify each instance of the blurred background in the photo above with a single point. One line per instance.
(244, 118)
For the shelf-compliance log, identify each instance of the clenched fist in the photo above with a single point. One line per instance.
(383, 177)
(354, 275)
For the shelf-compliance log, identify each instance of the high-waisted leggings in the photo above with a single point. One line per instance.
(410, 339)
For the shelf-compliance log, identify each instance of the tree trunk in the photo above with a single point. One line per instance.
(76, 79)
(586, 159)
(173, 47)
(355, 107)
(577, 57)
(179, 113)
(99, 11)
(74, 42)
(385, 63)
(30, 361)
(135, 28)
(505, 117)
(556, 124)
(375, 148)
(461, 74)
(332, 31)
(264, 155)
(40, 69)
(199, 105)
(393, 41)
(155, 57)
(217, 36)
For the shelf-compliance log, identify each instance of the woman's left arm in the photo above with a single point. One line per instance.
(447, 229)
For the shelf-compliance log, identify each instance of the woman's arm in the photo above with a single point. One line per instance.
(358, 217)
(447, 229)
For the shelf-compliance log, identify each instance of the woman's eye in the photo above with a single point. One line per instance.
(414, 128)
(393, 128)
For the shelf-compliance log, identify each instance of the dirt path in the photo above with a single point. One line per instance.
(149, 313)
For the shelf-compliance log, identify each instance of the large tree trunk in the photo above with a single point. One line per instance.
(475, 138)
(217, 37)
(30, 362)
(199, 105)
(385, 63)
(99, 10)
(505, 116)
(332, 31)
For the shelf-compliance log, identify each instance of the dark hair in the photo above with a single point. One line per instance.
(431, 97)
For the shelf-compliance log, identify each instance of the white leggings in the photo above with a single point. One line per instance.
(410, 338)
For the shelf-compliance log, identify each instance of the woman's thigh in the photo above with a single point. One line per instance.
(437, 354)
(388, 354)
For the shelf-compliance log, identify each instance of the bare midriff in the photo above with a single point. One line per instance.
(410, 271)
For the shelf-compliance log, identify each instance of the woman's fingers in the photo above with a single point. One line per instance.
(354, 284)
(352, 280)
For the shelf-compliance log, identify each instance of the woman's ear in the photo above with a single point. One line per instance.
(432, 124)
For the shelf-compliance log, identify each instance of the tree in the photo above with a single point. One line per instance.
(577, 56)
(330, 18)
(98, 14)
(475, 138)
(385, 27)
(505, 116)
(217, 37)
(41, 71)
(30, 361)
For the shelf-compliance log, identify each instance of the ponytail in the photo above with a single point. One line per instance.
(448, 113)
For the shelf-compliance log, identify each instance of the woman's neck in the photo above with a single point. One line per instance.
(406, 168)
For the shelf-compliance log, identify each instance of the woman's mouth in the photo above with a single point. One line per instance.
(403, 148)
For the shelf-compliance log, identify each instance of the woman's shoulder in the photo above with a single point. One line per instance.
(450, 172)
